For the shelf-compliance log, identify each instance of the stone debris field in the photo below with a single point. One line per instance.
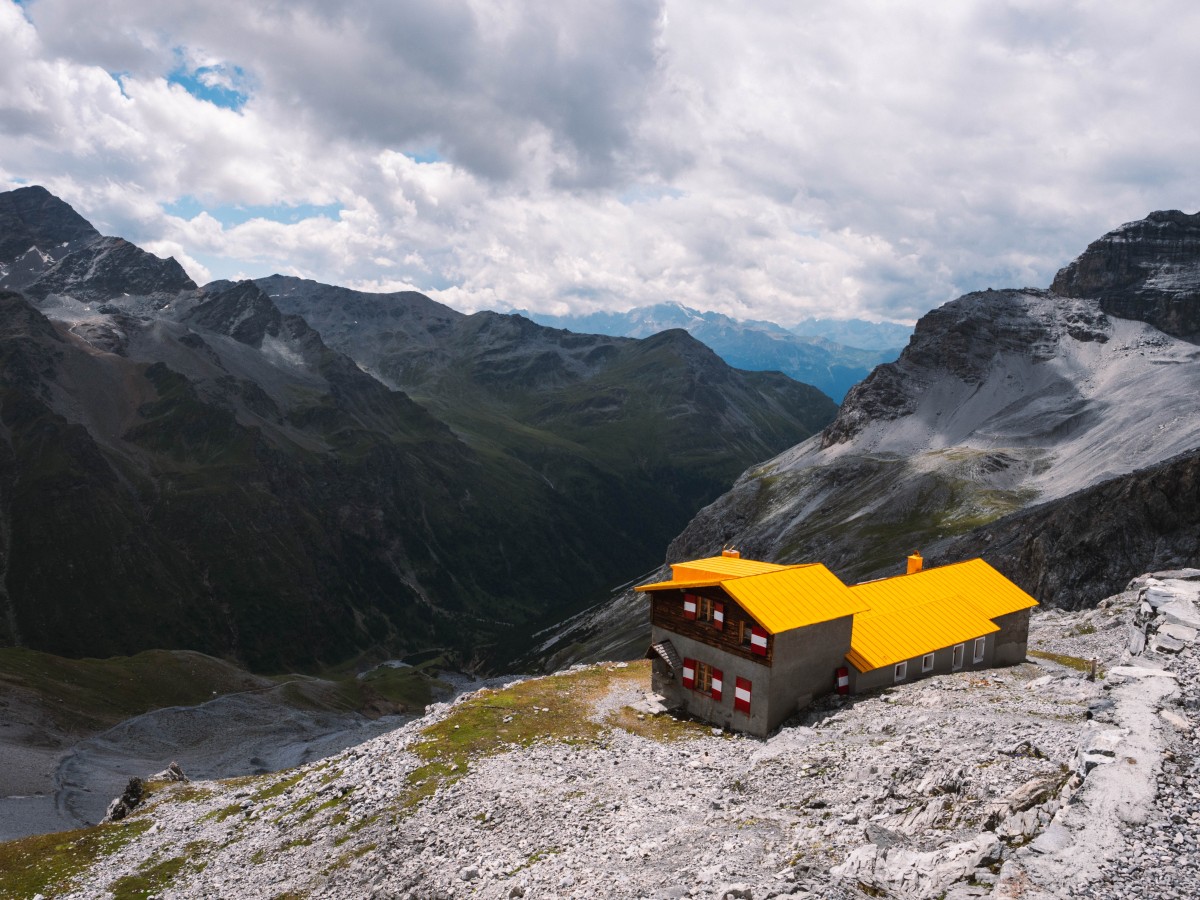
(1025, 782)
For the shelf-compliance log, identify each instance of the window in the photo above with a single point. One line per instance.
(927, 662)
(703, 677)
(745, 632)
(901, 671)
(980, 646)
(956, 657)
(704, 611)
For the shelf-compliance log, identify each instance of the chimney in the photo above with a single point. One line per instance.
(914, 563)
(731, 554)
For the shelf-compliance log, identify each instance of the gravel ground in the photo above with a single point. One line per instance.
(966, 785)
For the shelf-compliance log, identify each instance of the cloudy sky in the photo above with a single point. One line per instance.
(768, 160)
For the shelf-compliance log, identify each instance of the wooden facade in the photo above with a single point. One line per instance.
(667, 612)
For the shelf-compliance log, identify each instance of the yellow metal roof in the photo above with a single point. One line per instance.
(973, 581)
(793, 597)
(718, 568)
(711, 571)
(883, 638)
(911, 615)
(660, 585)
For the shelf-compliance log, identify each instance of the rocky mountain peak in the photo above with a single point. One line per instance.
(241, 310)
(962, 339)
(33, 217)
(109, 268)
(1147, 270)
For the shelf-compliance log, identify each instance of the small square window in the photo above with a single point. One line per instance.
(956, 657)
(927, 662)
(980, 646)
(901, 671)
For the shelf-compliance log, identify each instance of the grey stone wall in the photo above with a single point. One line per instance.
(862, 682)
(718, 712)
(806, 660)
(1012, 639)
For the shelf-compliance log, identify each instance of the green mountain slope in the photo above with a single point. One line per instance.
(201, 469)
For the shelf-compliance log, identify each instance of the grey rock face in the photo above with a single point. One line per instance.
(33, 217)
(106, 269)
(1147, 270)
(961, 340)
(1070, 551)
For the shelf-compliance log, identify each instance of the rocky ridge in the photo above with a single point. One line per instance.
(1143, 270)
(1026, 782)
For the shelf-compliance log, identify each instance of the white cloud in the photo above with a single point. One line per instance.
(772, 160)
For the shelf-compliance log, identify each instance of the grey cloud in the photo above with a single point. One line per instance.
(406, 76)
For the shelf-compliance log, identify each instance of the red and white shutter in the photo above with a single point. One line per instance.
(843, 680)
(741, 696)
(719, 616)
(689, 606)
(717, 683)
(758, 641)
(689, 673)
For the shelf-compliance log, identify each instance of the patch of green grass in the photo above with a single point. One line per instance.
(353, 829)
(278, 787)
(220, 815)
(348, 857)
(149, 881)
(190, 793)
(48, 863)
(662, 728)
(1071, 662)
(336, 800)
(556, 708)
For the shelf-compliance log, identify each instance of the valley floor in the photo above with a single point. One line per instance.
(1025, 782)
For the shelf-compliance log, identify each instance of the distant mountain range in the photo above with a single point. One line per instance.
(292, 474)
(820, 352)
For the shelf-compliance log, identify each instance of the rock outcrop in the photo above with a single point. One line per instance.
(1070, 551)
(1147, 270)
